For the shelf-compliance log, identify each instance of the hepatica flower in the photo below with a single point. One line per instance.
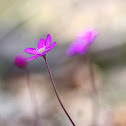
(43, 47)
(82, 43)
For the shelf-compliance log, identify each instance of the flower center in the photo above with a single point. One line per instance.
(41, 50)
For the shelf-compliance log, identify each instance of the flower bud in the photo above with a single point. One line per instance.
(20, 61)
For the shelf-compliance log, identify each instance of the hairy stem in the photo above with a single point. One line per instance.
(95, 99)
(53, 84)
(33, 99)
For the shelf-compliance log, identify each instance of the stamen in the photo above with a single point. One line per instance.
(41, 50)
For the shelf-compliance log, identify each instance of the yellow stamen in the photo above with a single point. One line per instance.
(41, 50)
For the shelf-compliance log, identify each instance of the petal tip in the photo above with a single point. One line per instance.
(48, 35)
(48, 40)
(54, 43)
(30, 51)
(28, 60)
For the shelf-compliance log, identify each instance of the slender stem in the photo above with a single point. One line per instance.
(33, 98)
(95, 100)
(57, 92)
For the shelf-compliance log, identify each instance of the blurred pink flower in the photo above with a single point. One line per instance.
(82, 43)
(20, 61)
(43, 48)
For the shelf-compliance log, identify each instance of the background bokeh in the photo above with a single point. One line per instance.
(24, 22)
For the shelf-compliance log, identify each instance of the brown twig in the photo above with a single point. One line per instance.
(53, 84)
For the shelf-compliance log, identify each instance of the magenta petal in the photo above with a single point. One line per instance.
(82, 43)
(33, 57)
(30, 51)
(41, 43)
(53, 44)
(89, 34)
(48, 40)
(70, 52)
(73, 49)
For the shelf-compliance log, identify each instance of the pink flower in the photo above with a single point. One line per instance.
(43, 48)
(20, 61)
(82, 43)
